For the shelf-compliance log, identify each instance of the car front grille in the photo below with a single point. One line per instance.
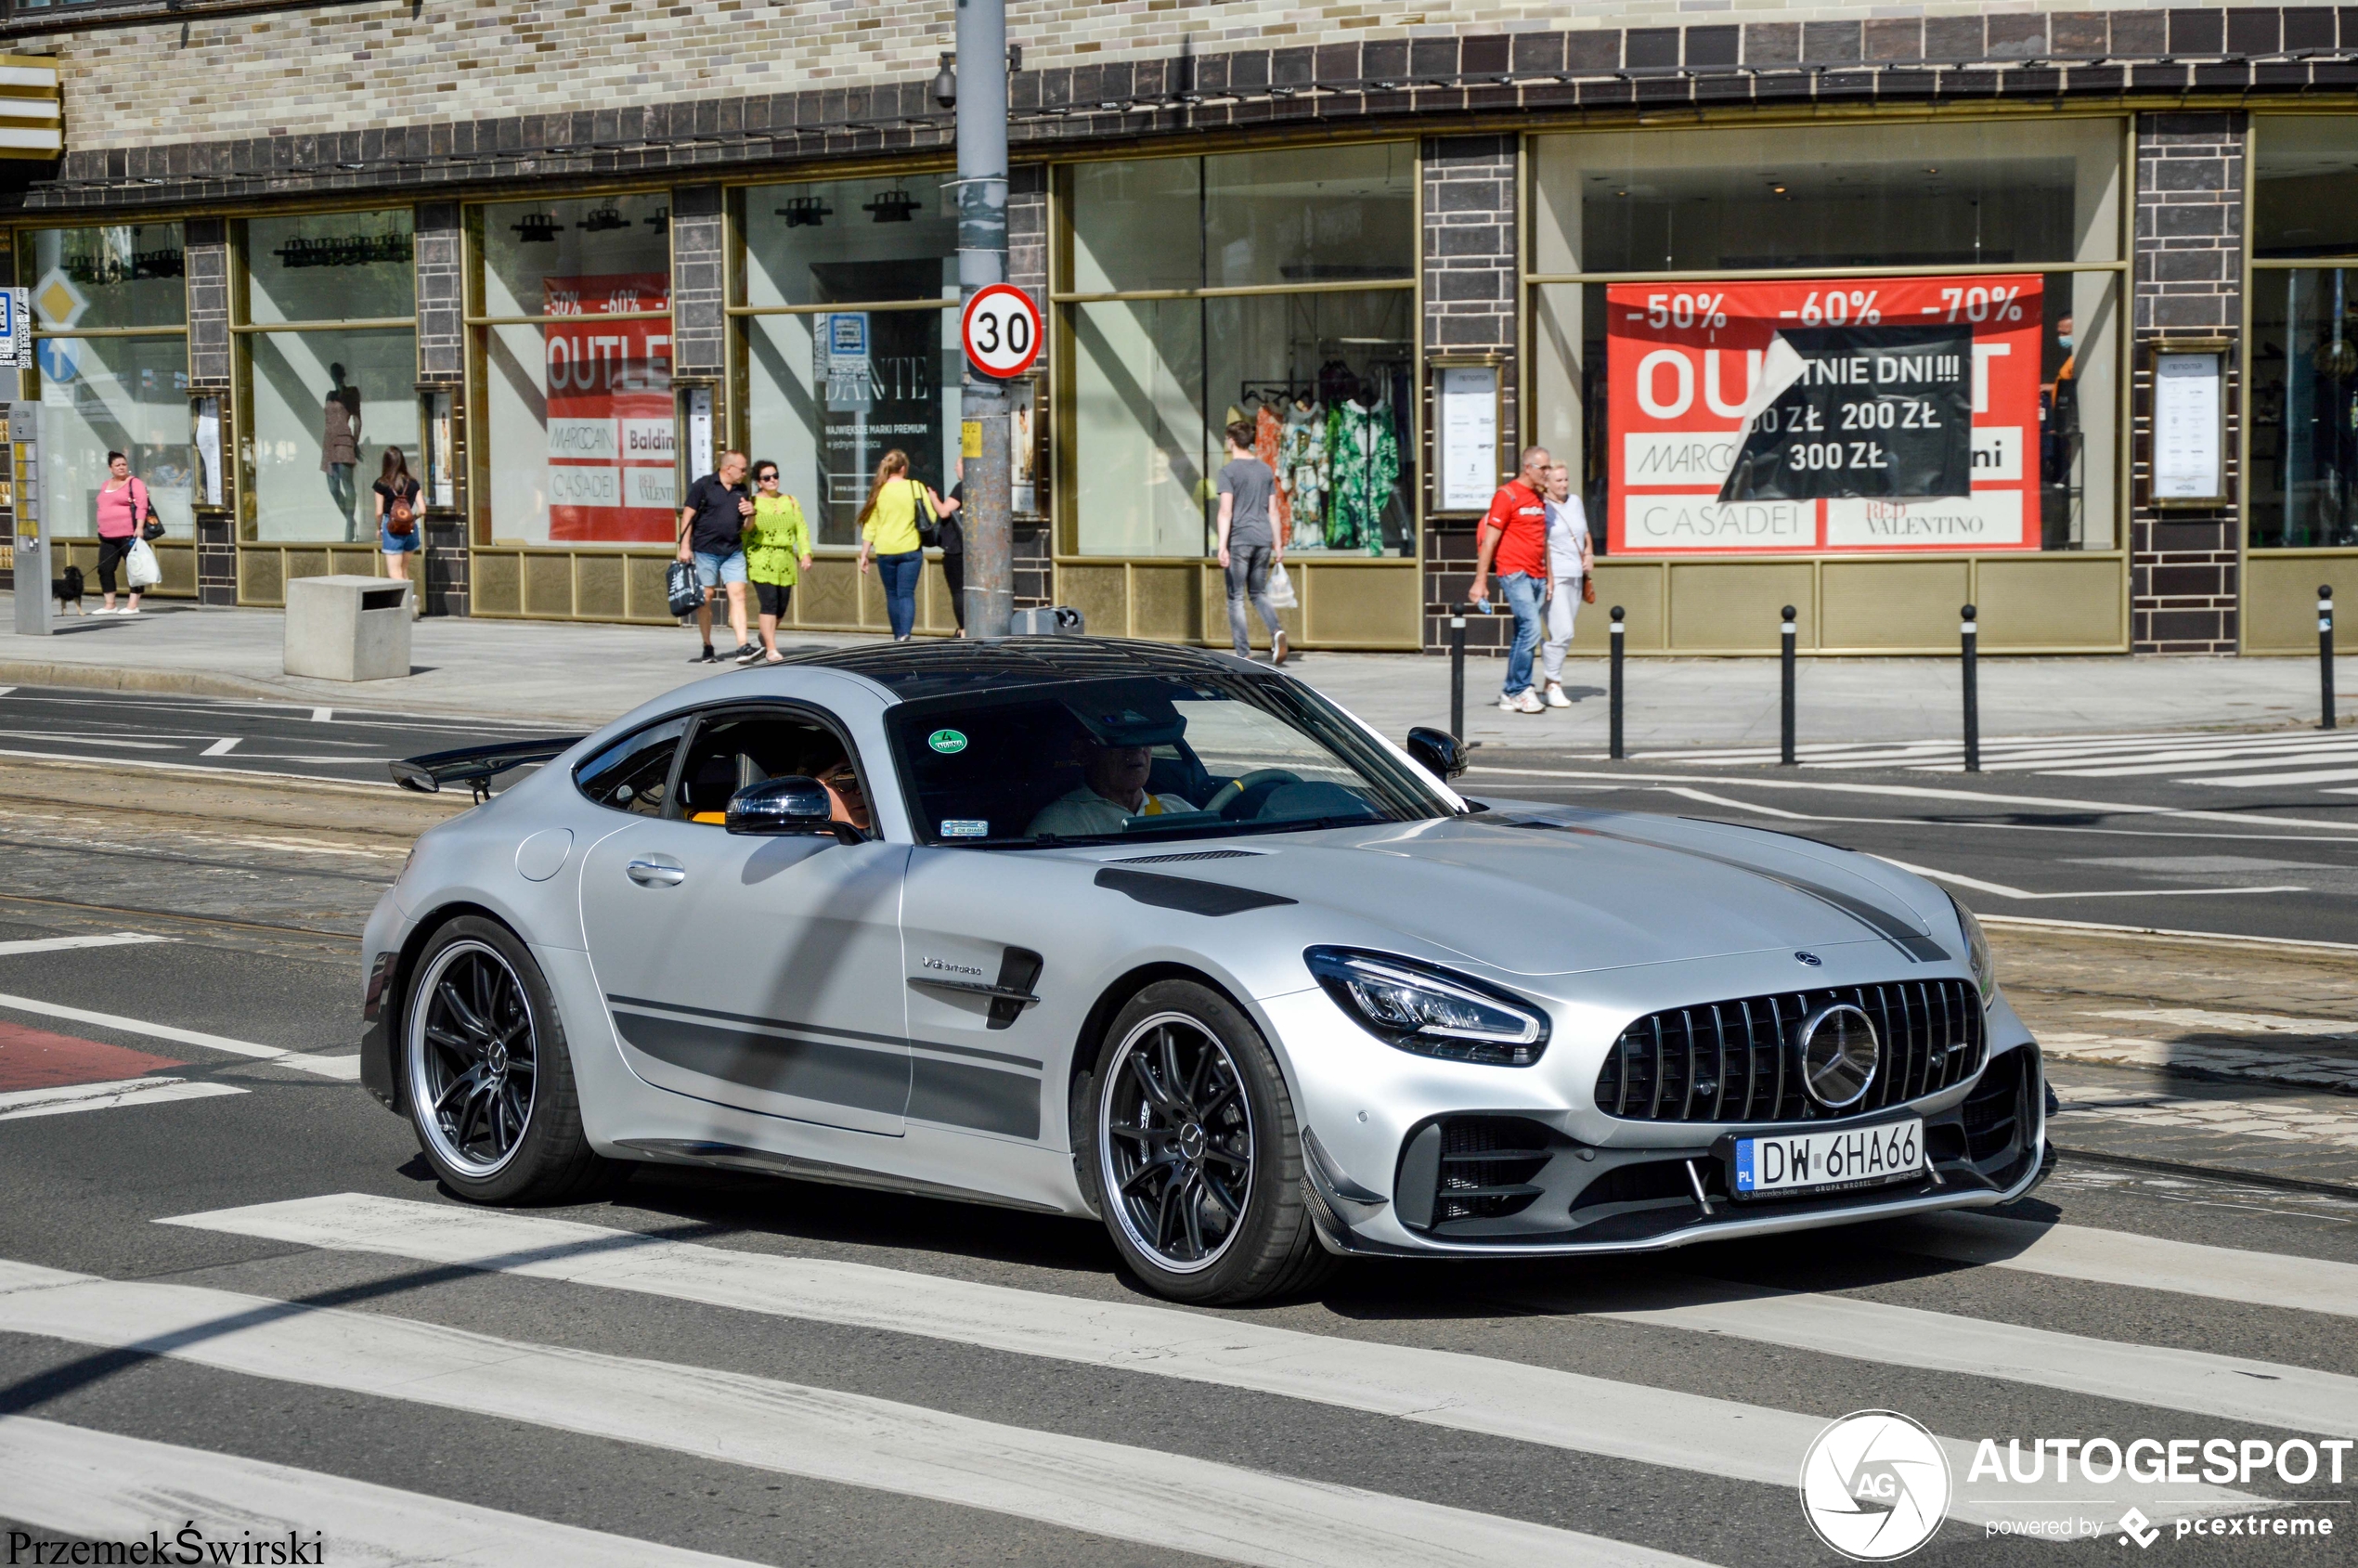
(1736, 1061)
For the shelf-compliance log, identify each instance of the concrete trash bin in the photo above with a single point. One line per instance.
(347, 629)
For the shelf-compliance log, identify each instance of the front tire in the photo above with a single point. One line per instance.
(1193, 1154)
(490, 1085)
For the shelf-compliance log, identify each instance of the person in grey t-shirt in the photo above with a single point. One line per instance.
(1248, 545)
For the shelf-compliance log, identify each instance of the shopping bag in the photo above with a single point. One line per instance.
(141, 567)
(1281, 588)
(680, 588)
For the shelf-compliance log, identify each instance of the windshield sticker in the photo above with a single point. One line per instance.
(964, 827)
(946, 742)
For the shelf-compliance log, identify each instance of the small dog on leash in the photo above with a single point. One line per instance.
(67, 591)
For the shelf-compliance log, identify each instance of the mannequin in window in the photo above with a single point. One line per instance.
(340, 448)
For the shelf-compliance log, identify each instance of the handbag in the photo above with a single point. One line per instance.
(928, 524)
(143, 506)
(680, 588)
(1589, 591)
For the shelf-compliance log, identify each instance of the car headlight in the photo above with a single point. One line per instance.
(1430, 1012)
(1985, 972)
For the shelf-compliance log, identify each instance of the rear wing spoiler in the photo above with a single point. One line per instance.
(477, 766)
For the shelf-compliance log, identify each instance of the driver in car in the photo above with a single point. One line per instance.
(1113, 792)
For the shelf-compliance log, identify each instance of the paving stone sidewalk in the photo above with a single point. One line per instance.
(2250, 1130)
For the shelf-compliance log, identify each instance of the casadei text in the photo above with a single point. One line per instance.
(190, 1546)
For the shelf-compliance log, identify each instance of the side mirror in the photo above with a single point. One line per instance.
(783, 807)
(1440, 753)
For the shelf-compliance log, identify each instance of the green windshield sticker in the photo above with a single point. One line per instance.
(946, 741)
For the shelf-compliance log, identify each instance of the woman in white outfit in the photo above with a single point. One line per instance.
(1569, 557)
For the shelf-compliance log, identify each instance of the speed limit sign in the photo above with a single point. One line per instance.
(1001, 328)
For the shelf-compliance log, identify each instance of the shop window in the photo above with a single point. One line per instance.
(1323, 373)
(2007, 194)
(1968, 405)
(329, 389)
(2304, 408)
(581, 430)
(2304, 198)
(830, 392)
(115, 393)
(2304, 333)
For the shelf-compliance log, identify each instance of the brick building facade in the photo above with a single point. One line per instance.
(1377, 191)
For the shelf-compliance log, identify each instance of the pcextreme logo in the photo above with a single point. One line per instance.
(1875, 1486)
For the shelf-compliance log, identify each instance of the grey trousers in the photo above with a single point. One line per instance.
(1249, 578)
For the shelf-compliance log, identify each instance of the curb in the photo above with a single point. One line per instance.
(112, 678)
(2208, 1173)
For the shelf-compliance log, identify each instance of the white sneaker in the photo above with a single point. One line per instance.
(1556, 697)
(1510, 705)
(1529, 701)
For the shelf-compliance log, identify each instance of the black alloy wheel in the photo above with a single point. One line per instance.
(1189, 1148)
(1178, 1142)
(489, 1084)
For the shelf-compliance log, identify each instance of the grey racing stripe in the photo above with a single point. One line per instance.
(1919, 948)
(791, 1025)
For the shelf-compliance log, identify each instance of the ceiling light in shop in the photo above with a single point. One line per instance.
(804, 212)
(537, 228)
(890, 206)
(661, 222)
(603, 220)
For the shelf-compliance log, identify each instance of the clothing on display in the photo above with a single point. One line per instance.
(339, 450)
(1339, 432)
(1364, 465)
(1268, 435)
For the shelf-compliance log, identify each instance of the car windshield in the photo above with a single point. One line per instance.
(1201, 756)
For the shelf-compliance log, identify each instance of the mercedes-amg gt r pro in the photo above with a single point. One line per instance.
(1166, 938)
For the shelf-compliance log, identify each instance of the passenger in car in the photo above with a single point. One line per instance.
(1113, 791)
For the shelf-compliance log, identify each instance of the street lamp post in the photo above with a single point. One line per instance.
(980, 90)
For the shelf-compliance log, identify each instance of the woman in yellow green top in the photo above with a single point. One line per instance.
(889, 531)
(777, 551)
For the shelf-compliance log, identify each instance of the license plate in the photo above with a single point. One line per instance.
(1788, 1165)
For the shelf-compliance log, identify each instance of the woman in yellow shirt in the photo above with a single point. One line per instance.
(889, 531)
(777, 549)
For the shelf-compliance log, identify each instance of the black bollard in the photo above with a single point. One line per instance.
(1786, 631)
(1457, 670)
(1968, 635)
(1614, 746)
(2325, 651)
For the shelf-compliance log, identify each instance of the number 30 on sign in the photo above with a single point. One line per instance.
(1001, 328)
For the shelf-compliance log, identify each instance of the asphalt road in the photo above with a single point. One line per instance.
(151, 733)
(2251, 835)
(804, 1375)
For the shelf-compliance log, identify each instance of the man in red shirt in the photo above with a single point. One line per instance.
(1514, 538)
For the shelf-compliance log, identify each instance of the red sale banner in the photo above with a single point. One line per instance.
(1828, 392)
(613, 434)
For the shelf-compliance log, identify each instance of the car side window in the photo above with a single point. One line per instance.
(630, 775)
(731, 750)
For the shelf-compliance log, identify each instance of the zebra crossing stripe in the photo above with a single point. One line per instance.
(1437, 1388)
(2146, 1262)
(65, 1099)
(1167, 1500)
(97, 1487)
(2261, 1393)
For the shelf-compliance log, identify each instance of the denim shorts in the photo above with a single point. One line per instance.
(713, 570)
(398, 544)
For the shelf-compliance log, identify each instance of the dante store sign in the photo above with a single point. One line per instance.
(1889, 414)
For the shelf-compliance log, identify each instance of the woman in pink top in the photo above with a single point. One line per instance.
(123, 505)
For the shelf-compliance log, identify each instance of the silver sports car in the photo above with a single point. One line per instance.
(1166, 938)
